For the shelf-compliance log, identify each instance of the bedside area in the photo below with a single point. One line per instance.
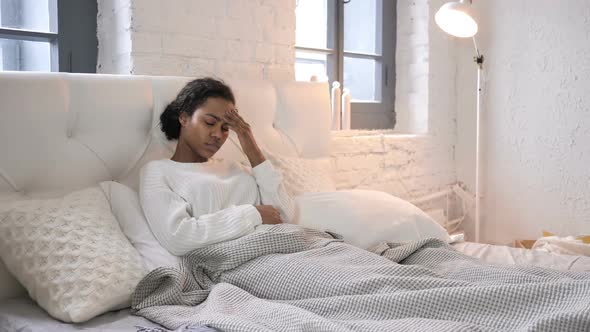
(523, 255)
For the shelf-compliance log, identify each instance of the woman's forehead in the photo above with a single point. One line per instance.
(217, 106)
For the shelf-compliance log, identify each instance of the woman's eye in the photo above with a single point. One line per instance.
(210, 123)
(224, 128)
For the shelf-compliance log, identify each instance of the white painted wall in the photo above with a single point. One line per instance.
(249, 38)
(255, 39)
(114, 37)
(441, 81)
(537, 117)
(412, 69)
(408, 166)
(537, 108)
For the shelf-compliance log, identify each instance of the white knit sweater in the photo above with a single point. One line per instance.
(191, 205)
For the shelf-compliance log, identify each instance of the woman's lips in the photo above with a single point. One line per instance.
(211, 147)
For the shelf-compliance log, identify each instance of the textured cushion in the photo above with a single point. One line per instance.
(103, 127)
(366, 217)
(70, 254)
(301, 175)
(127, 209)
(9, 286)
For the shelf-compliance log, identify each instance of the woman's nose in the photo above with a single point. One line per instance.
(217, 133)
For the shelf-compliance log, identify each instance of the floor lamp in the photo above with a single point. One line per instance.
(455, 19)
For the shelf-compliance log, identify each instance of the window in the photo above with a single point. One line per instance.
(353, 42)
(33, 37)
(28, 34)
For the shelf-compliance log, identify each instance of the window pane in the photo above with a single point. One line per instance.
(26, 14)
(363, 26)
(25, 55)
(314, 24)
(308, 64)
(363, 78)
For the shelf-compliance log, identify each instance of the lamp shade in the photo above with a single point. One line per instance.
(454, 19)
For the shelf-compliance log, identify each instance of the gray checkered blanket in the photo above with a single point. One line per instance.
(292, 279)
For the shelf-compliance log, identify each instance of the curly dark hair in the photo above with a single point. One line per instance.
(194, 94)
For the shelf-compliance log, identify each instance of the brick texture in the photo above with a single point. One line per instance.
(245, 38)
(255, 39)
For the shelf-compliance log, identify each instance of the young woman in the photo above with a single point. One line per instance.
(192, 200)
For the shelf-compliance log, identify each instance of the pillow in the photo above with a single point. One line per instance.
(302, 175)
(70, 254)
(9, 286)
(366, 217)
(127, 209)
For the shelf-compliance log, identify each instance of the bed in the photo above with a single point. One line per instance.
(101, 127)
(22, 314)
(495, 254)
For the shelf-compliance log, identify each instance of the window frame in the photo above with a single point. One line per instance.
(39, 36)
(336, 31)
(384, 102)
(333, 61)
(69, 36)
(36, 36)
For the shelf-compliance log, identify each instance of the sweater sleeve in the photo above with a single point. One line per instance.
(168, 216)
(272, 190)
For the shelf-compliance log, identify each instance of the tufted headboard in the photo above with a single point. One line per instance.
(63, 132)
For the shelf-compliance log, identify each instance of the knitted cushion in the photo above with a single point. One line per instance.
(70, 254)
(302, 175)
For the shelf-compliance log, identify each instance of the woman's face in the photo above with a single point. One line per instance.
(206, 131)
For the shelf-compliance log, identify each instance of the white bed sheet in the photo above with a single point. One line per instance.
(518, 256)
(23, 315)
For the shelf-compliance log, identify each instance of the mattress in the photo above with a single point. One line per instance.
(23, 315)
(517, 256)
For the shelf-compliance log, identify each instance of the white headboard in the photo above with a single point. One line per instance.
(61, 132)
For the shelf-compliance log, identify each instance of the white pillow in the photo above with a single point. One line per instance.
(9, 286)
(70, 254)
(365, 217)
(301, 175)
(127, 209)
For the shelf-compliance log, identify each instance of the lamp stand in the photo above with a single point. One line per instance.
(478, 59)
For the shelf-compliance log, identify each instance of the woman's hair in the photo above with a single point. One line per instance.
(189, 99)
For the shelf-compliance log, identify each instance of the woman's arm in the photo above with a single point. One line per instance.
(168, 216)
(270, 181)
(242, 129)
(272, 190)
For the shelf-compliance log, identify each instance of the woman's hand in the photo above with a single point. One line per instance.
(269, 214)
(236, 123)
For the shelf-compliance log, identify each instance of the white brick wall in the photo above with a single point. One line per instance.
(412, 58)
(255, 39)
(407, 166)
(114, 36)
(246, 38)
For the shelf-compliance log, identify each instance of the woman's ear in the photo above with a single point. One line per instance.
(183, 119)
